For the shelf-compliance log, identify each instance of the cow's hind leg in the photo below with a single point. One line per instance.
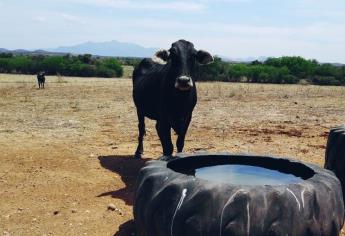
(164, 133)
(141, 127)
(182, 134)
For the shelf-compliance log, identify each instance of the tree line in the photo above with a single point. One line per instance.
(282, 70)
(67, 65)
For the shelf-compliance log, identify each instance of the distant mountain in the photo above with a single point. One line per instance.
(16, 51)
(119, 49)
(28, 52)
(3, 50)
(244, 60)
(110, 48)
(338, 64)
(20, 51)
(39, 51)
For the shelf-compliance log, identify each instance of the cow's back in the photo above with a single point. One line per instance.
(142, 68)
(147, 78)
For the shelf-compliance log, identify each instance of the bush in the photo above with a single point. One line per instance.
(283, 70)
(326, 80)
(68, 65)
(290, 79)
(113, 65)
(103, 71)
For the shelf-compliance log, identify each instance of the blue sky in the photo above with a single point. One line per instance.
(232, 28)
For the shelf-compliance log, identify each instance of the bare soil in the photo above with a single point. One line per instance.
(66, 151)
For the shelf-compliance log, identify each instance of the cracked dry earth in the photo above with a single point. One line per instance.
(66, 151)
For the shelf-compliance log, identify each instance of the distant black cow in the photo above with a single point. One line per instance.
(41, 79)
(164, 90)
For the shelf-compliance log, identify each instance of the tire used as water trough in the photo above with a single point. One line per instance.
(169, 203)
(335, 154)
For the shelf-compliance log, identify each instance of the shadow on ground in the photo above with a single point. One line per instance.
(127, 167)
(126, 229)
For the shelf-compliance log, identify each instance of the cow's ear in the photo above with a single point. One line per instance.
(204, 57)
(161, 57)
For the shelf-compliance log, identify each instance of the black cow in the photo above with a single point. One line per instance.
(41, 79)
(164, 90)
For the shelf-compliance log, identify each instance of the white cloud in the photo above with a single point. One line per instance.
(224, 1)
(181, 6)
(72, 18)
(317, 37)
(40, 19)
(316, 31)
(323, 10)
(318, 40)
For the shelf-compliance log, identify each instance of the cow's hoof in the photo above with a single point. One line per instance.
(137, 155)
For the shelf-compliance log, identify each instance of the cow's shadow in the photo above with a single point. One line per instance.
(126, 229)
(127, 167)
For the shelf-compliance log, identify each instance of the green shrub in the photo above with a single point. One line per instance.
(283, 70)
(326, 80)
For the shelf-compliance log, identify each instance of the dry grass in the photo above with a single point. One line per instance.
(66, 150)
(127, 71)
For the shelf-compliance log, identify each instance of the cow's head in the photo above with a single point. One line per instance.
(183, 57)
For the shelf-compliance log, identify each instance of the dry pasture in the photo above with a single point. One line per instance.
(66, 151)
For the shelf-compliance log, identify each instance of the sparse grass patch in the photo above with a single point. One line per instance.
(60, 79)
(65, 127)
(127, 71)
(231, 94)
(304, 82)
(74, 105)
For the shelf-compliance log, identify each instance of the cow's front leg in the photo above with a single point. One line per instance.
(141, 127)
(164, 133)
(182, 134)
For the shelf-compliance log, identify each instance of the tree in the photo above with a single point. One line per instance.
(298, 66)
(326, 70)
(114, 65)
(6, 55)
(53, 64)
(273, 70)
(19, 64)
(213, 71)
(86, 58)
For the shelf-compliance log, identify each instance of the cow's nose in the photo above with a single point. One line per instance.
(184, 83)
(184, 80)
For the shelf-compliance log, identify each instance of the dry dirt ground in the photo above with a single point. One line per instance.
(66, 151)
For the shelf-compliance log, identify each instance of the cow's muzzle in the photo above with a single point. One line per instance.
(184, 83)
